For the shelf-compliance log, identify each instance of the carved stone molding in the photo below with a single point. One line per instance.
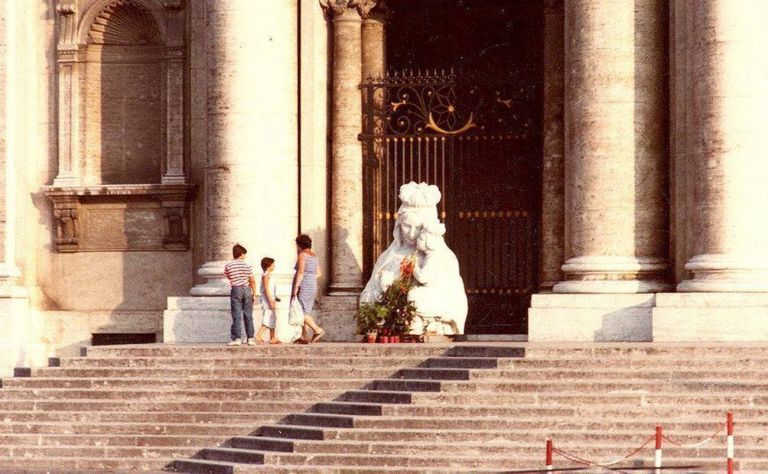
(336, 8)
(65, 7)
(65, 210)
(121, 217)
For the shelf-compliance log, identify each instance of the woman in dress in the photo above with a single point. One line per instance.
(305, 287)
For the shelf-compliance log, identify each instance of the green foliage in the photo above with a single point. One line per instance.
(400, 311)
(370, 317)
(393, 311)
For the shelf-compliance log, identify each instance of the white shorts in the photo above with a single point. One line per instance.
(268, 316)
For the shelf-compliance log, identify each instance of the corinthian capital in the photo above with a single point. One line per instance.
(338, 7)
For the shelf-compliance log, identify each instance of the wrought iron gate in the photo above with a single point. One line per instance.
(477, 138)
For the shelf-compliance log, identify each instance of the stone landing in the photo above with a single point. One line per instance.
(693, 317)
(590, 317)
(658, 317)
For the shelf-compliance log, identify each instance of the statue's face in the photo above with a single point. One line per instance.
(410, 228)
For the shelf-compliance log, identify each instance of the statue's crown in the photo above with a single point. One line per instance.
(419, 195)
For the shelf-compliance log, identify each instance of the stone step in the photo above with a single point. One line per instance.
(698, 386)
(167, 395)
(421, 460)
(188, 383)
(668, 363)
(222, 467)
(352, 408)
(194, 351)
(462, 362)
(260, 406)
(75, 464)
(537, 422)
(138, 417)
(568, 397)
(271, 373)
(104, 440)
(376, 396)
(26, 451)
(117, 429)
(606, 449)
(702, 350)
(611, 374)
(513, 411)
(585, 434)
(254, 360)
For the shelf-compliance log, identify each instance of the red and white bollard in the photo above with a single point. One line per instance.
(549, 455)
(657, 453)
(730, 442)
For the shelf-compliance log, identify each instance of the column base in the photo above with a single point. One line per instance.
(613, 274)
(216, 283)
(590, 317)
(725, 273)
(710, 317)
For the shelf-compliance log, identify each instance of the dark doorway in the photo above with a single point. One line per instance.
(461, 108)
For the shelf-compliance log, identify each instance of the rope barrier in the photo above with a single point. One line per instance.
(603, 464)
(700, 443)
(657, 437)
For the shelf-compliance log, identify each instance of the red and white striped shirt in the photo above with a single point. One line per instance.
(238, 272)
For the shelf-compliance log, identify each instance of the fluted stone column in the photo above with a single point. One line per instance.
(346, 150)
(616, 163)
(251, 176)
(730, 111)
(374, 44)
(552, 225)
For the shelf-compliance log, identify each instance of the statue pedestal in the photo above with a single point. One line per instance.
(194, 319)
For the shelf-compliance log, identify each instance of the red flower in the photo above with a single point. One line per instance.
(406, 266)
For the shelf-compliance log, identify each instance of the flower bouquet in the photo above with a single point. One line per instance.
(393, 312)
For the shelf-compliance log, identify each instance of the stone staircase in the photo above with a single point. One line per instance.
(383, 408)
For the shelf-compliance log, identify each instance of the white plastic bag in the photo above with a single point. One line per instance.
(295, 313)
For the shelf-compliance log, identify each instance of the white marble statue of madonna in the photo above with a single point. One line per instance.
(440, 296)
(437, 265)
(418, 208)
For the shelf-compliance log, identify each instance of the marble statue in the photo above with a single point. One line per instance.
(439, 293)
(440, 296)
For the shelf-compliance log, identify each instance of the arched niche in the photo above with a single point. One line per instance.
(121, 122)
(124, 106)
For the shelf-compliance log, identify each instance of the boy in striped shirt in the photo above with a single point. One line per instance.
(240, 276)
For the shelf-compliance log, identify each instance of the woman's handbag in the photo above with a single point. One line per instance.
(295, 313)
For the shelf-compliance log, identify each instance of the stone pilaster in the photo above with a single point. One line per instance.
(346, 275)
(616, 163)
(251, 178)
(730, 154)
(552, 220)
(174, 172)
(14, 299)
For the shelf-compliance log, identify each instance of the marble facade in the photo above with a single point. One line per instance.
(651, 224)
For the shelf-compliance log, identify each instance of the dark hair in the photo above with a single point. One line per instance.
(266, 262)
(238, 250)
(304, 242)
